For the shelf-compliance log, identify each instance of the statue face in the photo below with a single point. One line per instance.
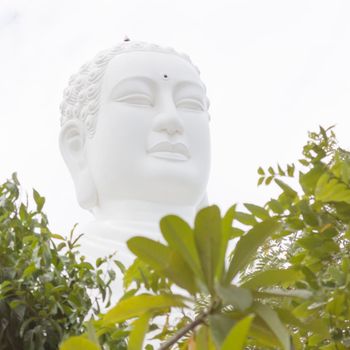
(152, 136)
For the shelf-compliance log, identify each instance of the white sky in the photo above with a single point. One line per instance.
(274, 69)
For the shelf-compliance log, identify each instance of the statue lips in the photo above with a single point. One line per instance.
(172, 151)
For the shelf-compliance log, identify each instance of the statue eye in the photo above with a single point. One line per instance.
(136, 99)
(190, 104)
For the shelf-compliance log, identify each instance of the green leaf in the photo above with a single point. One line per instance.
(271, 171)
(271, 278)
(57, 236)
(165, 260)
(304, 162)
(180, 237)
(137, 306)
(40, 201)
(257, 211)
(91, 332)
(220, 326)
(207, 234)
(343, 211)
(271, 318)
(120, 266)
(286, 189)
(335, 305)
(261, 171)
(310, 217)
(268, 180)
(261, 181)
(263, 335)
(227, 220)
(203, 340)
(246, 219)
(248, 245)
(137, 334)
(75, 343)
(275, 206)
(280, 171)
(318, 246)
(236, 232)
(345, 171)
(227, 233)
(308, 181)
(333, 346)
(237, 296)
(323, 133)
(290, 170)
(23, 212)
(237, 337)
(331, 190)
(29, 270)
(284, 293)
(287, 317)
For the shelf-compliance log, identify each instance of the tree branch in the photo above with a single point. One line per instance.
(200, 319)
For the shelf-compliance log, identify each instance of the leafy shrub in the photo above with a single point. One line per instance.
(315, 215)
(44, 283)
(285, 285)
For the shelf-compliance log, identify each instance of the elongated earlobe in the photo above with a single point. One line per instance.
(86, 190)
(72, 145)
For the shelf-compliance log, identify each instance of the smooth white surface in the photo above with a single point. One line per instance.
(148, 152)
(274, 69)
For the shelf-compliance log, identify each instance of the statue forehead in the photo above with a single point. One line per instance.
(154, 65)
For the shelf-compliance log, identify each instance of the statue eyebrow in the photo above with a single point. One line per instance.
(144, 80)
(188, 83)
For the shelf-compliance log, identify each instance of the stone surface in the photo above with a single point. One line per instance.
(135, 137)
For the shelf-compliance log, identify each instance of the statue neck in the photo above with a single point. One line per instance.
(116, 222)
(140, 215)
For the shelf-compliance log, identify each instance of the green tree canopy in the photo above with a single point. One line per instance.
(44, 282)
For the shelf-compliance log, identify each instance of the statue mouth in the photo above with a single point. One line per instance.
(172, 151)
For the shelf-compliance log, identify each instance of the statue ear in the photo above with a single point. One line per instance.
(72, 142)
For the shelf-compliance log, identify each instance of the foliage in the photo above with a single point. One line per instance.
(314, 240)
(193, 259)
(44, 283)
(285, 285)
(273, 276)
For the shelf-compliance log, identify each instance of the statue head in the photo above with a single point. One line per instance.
(135, 126)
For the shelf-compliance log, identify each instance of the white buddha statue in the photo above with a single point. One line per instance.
(135, 137)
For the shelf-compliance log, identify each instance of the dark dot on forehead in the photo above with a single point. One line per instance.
(165, 76)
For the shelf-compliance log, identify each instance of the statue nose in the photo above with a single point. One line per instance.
(169, 122)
